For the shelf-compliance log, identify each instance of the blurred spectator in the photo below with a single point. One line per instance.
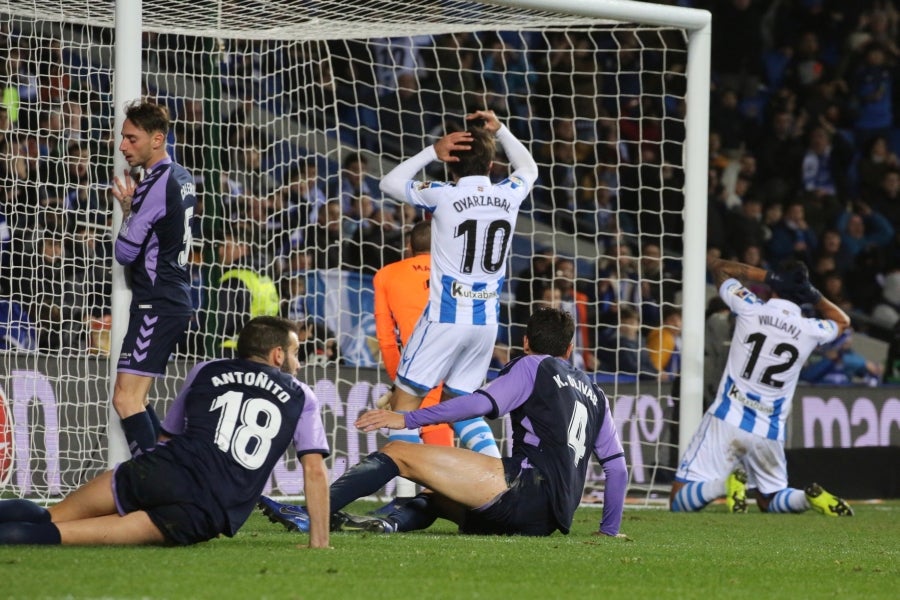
(746, 226)
(530, 284)
(823, 167)
(726, 120)
(779, 153)
(244, 290)
(326, 237)
(356, 181)
(876, 160)
(886, 199)
(664, 342)
(833, 289)
(621, 348)
(46, 288)
(576, 303)
(871, 91)
(737, 43)
(864, 229)
(838, 364)
(832, 247)
(792, 237)
(719, 326)
(377, 239)
(887, 311)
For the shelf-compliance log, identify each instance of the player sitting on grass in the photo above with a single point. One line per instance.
(559, 417)
(740, 440)
(233, 419)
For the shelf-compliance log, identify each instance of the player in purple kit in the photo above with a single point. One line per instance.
(154, 244)
(231, 422)
(559, 416)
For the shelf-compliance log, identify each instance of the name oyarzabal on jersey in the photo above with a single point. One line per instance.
(477, 200)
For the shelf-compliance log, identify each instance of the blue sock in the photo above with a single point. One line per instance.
(696, 495)
(154, 420)
(404, 435)
(29, 533)
(413, 515)
(139, 434)
(475, 434)
(788, 500)
(23, 511)
(366, 477)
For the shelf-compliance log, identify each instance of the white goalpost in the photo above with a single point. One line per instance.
(287, 110)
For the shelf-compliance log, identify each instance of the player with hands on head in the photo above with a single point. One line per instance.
(740, 441)
(154, 244)
(559, 417)
(230, 424)
(473, 221)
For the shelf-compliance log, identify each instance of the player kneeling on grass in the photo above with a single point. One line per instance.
(740, 440)
(559, 416)
(233, 419)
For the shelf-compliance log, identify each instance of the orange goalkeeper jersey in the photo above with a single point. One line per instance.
(401, 293)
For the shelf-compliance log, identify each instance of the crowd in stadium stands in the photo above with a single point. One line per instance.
(803, 162)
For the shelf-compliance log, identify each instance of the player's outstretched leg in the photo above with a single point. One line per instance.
(294, 518)
(366, 477)
(788, 500)
(692, 496)
(412, 515)
(29, 533)
(827, 504)
(475, 434)
(21, 510)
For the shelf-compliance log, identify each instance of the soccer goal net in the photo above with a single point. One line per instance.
(287, 112)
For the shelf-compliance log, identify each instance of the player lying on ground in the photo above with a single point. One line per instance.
(233, 419)
(559, 416)
(740, 441)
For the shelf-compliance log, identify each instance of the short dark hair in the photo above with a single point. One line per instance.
(477, 159)
(550, 331)
(420, 237)
(795, 271)
(149, 116)
(261, 334)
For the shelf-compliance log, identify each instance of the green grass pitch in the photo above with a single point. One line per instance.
(706, 555)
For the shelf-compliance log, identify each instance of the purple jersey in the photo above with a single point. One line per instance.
(233, 420)
(558, 417)
(155, 239)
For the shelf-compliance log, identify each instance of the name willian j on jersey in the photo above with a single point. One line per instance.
(788, 328)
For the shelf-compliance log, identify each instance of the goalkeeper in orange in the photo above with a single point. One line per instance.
(401, 293)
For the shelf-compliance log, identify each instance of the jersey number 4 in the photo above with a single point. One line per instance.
(246, 427)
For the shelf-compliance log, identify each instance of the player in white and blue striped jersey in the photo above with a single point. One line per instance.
(740, 441)
(473, 220)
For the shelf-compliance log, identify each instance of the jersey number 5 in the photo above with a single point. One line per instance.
(246, 428)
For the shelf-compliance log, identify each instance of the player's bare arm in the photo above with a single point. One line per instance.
(123, 191)
(378, 419)
(723, 269)
(452, 142)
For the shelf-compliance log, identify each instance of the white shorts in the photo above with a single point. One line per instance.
(456, 354)
(719, 447)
